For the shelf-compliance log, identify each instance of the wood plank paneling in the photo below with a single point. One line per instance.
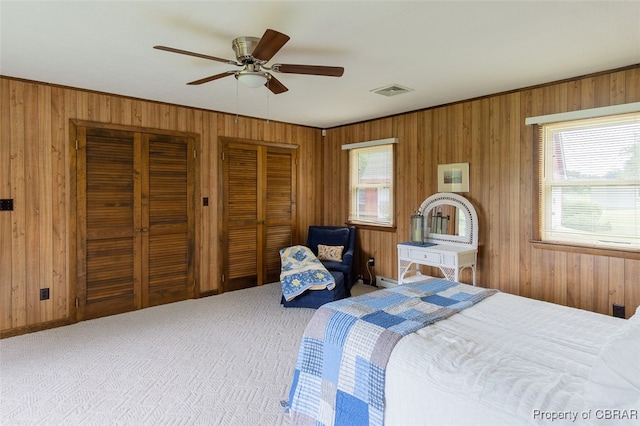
(6, 191)
(616, 283)
(487, 132)
(601, 292)
(32, 202)
(19, 302)
(490, 134)
(35, 150)
(58, 142)
(631, 286)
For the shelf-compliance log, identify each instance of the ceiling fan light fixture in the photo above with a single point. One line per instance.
(252, 55)
(252, 78)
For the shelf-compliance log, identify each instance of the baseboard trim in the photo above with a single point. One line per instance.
(208, 293)
(385, 282)
(12, 332)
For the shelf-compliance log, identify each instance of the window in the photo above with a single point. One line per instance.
(371, 180)
(590, 181)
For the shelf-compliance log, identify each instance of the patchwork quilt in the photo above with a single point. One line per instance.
(301, 271)
(340, 371)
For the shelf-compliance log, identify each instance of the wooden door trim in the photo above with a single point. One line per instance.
(135, 129)
(77, 270)
(262, 201)
(141, 218)
(226, 139)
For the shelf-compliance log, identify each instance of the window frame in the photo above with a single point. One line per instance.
(545, 186)
(352, 193)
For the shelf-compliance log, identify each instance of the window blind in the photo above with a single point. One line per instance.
(590, 181)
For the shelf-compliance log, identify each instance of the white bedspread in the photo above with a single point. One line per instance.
(496, 363)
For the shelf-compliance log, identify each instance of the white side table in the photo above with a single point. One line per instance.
(449, 259)
(451, 249)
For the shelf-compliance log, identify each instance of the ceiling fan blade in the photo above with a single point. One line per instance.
(213, 77)
(275, 86)
(197, 55)
(309, 69)
(269, 44)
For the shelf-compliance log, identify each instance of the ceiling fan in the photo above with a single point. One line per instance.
(252, 54)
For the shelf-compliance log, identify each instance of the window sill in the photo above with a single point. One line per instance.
(372, 227)
(587, 249)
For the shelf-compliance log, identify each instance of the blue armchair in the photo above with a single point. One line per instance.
(335, 236)
(330, 236)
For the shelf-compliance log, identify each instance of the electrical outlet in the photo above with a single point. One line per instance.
(6, 204)
(618, 311)
(372, 261)
(44, 293)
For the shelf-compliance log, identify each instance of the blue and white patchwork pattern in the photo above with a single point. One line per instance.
(301, 271)
(340, 372)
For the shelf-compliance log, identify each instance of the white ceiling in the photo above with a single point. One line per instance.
(446, 51)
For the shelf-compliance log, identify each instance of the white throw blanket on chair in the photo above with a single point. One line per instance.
(301, 271)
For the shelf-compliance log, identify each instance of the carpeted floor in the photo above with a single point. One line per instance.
(359, 289)
(220, 360)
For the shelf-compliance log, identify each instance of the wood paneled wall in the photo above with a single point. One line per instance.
(490, 134)
(35, 172)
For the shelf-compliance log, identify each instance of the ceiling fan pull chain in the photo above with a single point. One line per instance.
(268, 116)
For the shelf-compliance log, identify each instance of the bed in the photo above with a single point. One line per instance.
(500, 359)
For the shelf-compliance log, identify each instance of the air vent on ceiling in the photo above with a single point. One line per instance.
(391, 90)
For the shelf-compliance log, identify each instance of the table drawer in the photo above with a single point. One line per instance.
(425, 256)
(449, 260)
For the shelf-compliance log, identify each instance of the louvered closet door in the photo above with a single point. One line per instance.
(169, 220)
(240, 176)
(258, 212)
(280, 205)
(106, 197)
(135, 218)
